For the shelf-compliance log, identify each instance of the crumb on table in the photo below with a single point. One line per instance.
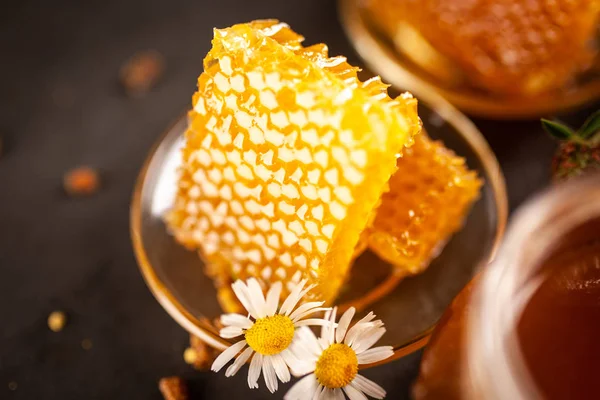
(190, 356)
(12, 386)
(173, 388)
(203, 355)
(57, 321)
(141, 72)
(87, 344)
(81, 181)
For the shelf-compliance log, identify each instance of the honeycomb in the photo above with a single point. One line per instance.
(287, 153)
(505, 46)
(429, 196)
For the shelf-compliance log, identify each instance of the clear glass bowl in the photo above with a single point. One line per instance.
(410, 309)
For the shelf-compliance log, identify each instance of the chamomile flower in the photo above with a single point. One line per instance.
(268, 331)
(333, 359)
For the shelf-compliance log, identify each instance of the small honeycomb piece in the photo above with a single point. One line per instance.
(287, 153)
(429, 197)
(507, 47)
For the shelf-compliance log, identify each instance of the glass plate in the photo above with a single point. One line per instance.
(410, 310)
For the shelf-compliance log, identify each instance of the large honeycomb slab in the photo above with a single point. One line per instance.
(287, 153)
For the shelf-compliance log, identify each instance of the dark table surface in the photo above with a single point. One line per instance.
(62, 107)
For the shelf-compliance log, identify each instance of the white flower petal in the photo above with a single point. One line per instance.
(330, 336)
(241, 292)
(318, 392)
(327, 394)
(238, 320)
(323, 343)
(302, 365)
(306, 290)
(303, 352)
(354, 394)
(358, 329)
(309, 312)
(343, 324)
(305, 388)
(281, 368)
(328, 328)
(375, 354)
(367, 318)
(230, 332)
(305, 307)
(298, 366)
(257, 299)
(293, 298)
(367, 335)
(254, 371)
(311, 321)
(302, 368)
(289, 357)
(367, 339)
(331, 394)
(325, 328)
(300, 361)
(352, 334)
(269, 374)
(227, 355)
(273, 298)
(241, 360)
(305, 338)
(368, 387)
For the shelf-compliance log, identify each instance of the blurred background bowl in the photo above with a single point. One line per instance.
(383, 55)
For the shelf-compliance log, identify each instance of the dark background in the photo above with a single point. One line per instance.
(61, 106)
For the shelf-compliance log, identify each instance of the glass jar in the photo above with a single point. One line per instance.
(528, 326)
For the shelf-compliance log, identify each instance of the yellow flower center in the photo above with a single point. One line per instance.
(337, 366)
(270, 335)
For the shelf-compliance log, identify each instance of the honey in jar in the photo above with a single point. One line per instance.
(559, 330)
(528, 326)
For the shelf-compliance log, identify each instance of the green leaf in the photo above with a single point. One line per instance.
(557, 130)
(590, 126)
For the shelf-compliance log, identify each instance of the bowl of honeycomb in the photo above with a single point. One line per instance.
(493, 58)
(289, 167)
